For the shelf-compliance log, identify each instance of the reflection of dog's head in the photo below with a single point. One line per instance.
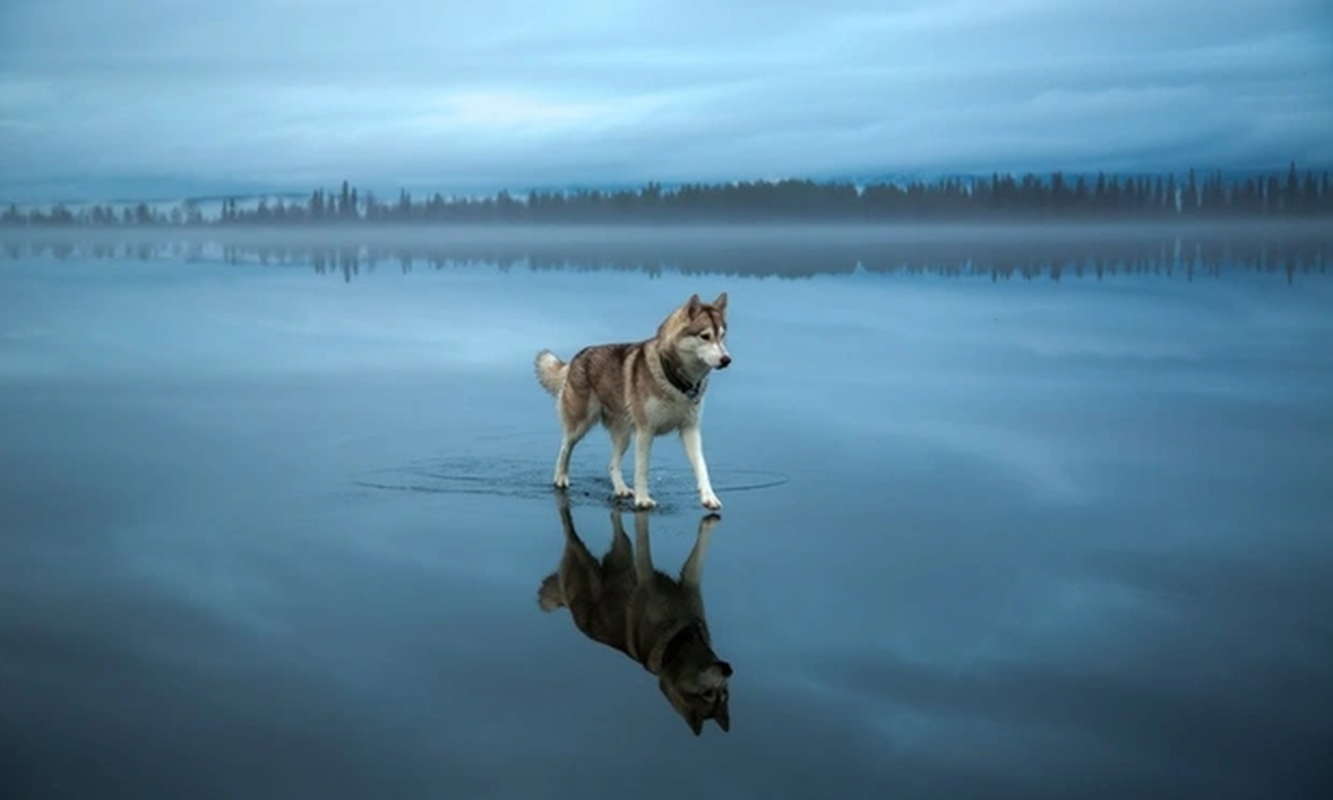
(697, 689)
(697, 332)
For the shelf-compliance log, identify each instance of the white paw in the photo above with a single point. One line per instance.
(644, 503)
(624, 492)
(710, 501)
(561, 481)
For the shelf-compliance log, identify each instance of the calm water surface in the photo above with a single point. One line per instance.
(276, 532)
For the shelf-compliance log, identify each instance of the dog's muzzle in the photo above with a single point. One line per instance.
(724, 362)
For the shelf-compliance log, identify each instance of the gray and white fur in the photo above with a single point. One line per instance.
(648, 388)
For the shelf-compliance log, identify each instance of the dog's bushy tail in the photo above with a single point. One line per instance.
(550, 596)
(550, 371)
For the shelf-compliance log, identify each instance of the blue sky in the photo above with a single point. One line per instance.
(190, 95)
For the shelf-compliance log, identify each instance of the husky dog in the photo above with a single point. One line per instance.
(623, 602)
(649, 388)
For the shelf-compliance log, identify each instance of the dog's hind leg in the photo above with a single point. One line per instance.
(619, 444)
(574, 423)
(567, 444)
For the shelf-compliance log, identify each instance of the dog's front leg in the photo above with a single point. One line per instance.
(692, 439)
(692, 573)
(643, 552)
(643, 448)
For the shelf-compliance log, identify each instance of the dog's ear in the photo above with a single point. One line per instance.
(692, 305)
(721, 302)
(722, 716)
(696, 721)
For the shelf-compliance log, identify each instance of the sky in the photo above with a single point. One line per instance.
(153, 97)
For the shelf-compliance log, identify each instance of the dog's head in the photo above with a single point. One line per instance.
(697, 331)
(698, 692)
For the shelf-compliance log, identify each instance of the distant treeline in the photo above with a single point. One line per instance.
(1141, 253)
(999, 197)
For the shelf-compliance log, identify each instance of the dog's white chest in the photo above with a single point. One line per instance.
(665, 416)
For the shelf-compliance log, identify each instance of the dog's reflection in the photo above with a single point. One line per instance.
(623, 602)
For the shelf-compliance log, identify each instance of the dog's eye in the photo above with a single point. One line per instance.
(706, 336)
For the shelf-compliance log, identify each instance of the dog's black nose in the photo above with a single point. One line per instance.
(726, 361)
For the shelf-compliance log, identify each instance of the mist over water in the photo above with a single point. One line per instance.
(1020, 512)
(791, 251)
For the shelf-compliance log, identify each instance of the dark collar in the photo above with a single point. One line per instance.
(677, 379)
(667, 652)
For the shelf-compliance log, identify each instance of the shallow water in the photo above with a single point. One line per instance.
(273, 531)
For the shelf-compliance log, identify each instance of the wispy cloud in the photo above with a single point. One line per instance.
(518, 93)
